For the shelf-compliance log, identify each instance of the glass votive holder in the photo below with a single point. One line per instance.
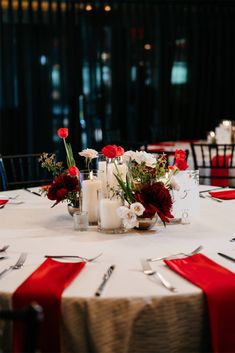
(80, 220)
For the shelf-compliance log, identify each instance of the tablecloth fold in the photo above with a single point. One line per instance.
(218, 284)
(44, 286)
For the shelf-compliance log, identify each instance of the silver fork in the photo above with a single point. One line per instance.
(86, 259)
(195, 251)
(210, 197)
(19, 263)
(149, 272)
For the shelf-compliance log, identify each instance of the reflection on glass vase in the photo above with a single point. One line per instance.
(90, 184)
(108, 219)
(115, 166)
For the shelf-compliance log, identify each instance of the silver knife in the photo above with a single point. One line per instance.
(105, 280)
(227, 256)
(32, 192)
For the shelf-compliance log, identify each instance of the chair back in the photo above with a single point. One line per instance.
(30, 317)
(24, 170)
(216, 162)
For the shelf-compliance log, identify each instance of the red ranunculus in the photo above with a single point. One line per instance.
(61, 186)
(73, 171)
(120, 151)
(180, 154)
(110, 151)
(61, 194)
(181, 164)
(156, 199)
(63, 132)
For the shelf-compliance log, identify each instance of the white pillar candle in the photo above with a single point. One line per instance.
(90, 188)
(115, 169)
(102, 174)
(109, 218)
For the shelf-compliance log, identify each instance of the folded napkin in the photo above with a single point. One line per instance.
(3, 202)
(223, 195)
(218, 161)
(44, 286)
(218, 284)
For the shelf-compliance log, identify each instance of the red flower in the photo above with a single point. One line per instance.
(156, 199)
(180, 154)
(61, 186)
(181, 164)
(73, 171)
(63, 132)
(110, 151)
(120, 151)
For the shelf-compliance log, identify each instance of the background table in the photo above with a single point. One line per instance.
(135, 313)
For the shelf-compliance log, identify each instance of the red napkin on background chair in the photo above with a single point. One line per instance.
(221, 172)
(223, 195)
(3, 202)
(45, 287)
(218, 284)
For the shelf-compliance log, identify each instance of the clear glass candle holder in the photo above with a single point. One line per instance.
(80, 220)
(90, 184)
(108, 218)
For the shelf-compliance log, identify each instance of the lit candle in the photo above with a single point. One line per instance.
(90, 188)
(227, 123)
(109, 218)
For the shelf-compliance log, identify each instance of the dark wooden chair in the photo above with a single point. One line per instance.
(24, 170)
(30, 317)
(216, 163)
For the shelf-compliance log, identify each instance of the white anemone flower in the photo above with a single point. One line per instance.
(128, 216)
(89, 153)
(130, 220)
(129, 156)
(144, 157)
(137, 208)
(122, 211)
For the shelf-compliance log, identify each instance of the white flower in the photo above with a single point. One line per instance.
(128, 216)
(122, 211)
(129, 156)
(89, 153)
(144, 157)
(137, 208)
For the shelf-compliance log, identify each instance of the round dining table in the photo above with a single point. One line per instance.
(135, 313)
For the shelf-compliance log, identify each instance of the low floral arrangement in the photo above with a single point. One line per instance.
(66, 183)
(146, 188)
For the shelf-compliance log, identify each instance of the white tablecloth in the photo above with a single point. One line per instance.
(135, 313)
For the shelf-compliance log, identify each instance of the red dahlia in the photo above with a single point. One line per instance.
(156, 199)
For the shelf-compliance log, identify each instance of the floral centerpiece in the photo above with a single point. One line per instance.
(66, 183)
(146, 190)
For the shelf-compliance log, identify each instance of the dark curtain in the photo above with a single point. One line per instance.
(125, 72)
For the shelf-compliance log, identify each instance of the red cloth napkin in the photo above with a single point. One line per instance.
(218, 284)
(221, 172)
(44, 286)
(223, 195)
(3, 202)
